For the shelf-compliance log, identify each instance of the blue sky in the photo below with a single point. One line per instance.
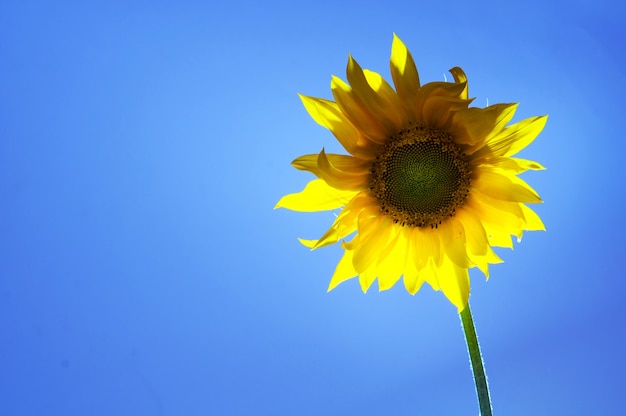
(143, 270)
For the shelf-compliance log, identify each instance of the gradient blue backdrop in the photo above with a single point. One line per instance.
(143, 271)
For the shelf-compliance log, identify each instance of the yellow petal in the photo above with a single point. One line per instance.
(343, 271)
(317, 195)
(407, 245)
(370, 127)
(387, 112)
(392, 260)
(532, 220)
(413, 280)
(355, 177)
(346, 222)
(473, 126)
(308, 243)
(391, 102)
(523, 165)
(367, 278)
(511, 164)
(436, 93)
(371, 244)
(435, 245)
(454, 283)
(439, 111)
(498, 224)
(426, 247)
(328, 114)
(453, 242)
(460, 78)
(404, 74)
(497, 236)
(348, 164)
(339, 171)
(504, 187)
(499, 218)
(517, 136)
(500, 208)
(429, 275)
(483, 261)
(475, 235)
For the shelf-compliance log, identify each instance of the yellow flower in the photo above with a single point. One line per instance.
(430, 186)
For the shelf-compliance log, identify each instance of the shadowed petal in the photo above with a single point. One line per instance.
(328, 114)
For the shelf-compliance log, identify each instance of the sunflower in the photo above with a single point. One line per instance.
(430, 185)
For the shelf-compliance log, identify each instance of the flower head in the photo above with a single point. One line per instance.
(430, 185)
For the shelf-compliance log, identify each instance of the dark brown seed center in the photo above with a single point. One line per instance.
(421, 177)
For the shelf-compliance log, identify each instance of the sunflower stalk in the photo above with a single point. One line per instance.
(476, 359)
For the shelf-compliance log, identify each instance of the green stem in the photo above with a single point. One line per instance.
(482, 390)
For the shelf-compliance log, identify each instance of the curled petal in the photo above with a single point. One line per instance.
(460, 78)
(339, 171)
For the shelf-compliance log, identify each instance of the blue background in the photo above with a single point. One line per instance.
(143, 270)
